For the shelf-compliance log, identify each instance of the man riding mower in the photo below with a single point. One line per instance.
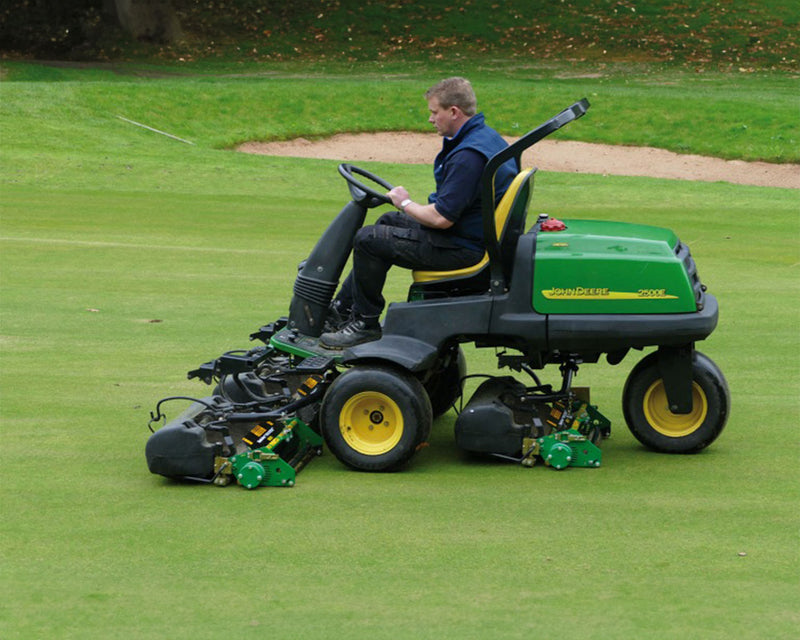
(559, 294)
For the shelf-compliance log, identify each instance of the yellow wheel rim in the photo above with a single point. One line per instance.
(674, 425)
(371, 423)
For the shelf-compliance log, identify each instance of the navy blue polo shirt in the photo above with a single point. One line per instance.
(459, 200)
(457, 170)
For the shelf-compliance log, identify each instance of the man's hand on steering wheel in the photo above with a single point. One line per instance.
(399, 197)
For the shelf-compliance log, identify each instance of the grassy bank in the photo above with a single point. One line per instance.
(53, 110)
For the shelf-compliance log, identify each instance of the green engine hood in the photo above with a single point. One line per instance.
(611, 267)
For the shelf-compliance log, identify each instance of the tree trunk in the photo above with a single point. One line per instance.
(153, 20)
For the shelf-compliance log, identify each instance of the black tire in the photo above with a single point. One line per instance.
(445, 387)
(646, 411)
(374, 417)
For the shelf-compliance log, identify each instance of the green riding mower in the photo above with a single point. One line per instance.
(559, 294)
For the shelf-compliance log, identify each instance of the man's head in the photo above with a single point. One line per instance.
(451, 103)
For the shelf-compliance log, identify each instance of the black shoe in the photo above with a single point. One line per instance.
(356, 331)
(337, 318)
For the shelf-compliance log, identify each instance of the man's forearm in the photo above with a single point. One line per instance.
(427, 215)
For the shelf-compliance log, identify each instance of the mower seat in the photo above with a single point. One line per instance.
(509, 220)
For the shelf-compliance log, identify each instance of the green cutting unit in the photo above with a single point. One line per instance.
(548, 294)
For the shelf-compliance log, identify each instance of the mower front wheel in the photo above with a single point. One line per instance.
(375, 417)
(647, 413)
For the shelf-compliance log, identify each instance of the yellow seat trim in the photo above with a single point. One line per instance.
(430, 276)
(500, 218)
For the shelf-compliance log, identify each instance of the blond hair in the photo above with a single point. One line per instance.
(456, 92)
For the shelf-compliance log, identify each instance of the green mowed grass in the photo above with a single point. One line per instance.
(117, 280)
(648, 545)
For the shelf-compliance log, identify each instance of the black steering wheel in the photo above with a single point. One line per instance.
(361, 193)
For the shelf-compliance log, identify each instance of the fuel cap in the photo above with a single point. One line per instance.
(553, 224)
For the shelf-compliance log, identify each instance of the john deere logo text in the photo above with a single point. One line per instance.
(600, 293)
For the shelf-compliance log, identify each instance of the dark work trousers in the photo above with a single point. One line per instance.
(396, 239)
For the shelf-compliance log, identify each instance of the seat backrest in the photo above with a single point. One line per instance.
(510, 216)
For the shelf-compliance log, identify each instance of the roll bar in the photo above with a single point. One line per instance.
(490, 171)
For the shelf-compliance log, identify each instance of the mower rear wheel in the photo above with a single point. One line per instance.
(374, 417)
(647, 413)
(446, 386)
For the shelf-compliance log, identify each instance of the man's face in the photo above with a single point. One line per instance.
(445, 120)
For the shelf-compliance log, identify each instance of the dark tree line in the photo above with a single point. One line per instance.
(68, 27)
